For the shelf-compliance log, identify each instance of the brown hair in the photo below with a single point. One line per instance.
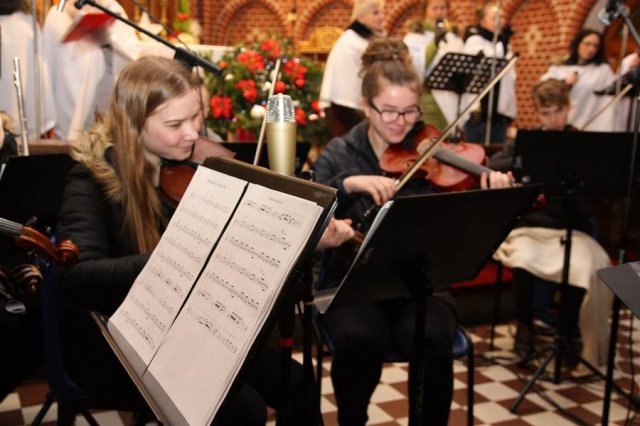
(388, 59)
(551, 92)
(142, 87)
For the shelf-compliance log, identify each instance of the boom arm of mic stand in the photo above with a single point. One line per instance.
(189, 58)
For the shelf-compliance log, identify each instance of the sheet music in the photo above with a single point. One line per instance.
(231, 300)
(160, 289)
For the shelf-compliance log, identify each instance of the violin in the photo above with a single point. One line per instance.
(175, 177)
(30, 239)
(453, 167)
(27, 277)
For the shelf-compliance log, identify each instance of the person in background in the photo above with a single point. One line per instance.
(480, 38)
(83, 69)
(112, 210)
(17, 40)
(535, 252)
(363, 334)
(585, 71)
(428, 41)
(552, 105)
(340, 91)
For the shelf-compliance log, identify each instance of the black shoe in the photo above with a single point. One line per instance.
(523, 346)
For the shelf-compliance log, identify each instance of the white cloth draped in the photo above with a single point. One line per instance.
(540, 251)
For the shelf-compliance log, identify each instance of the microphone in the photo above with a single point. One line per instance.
(281, 134)
(610, 12)
(441, 31)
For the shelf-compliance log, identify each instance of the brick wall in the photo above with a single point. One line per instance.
(543, 28)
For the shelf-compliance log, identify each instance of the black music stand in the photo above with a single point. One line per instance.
(448, 243)
(462, 73)
(586, 165)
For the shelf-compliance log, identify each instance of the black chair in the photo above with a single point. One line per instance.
(462, 347)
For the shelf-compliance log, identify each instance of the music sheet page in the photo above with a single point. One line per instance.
(159, 291)
(205, 348)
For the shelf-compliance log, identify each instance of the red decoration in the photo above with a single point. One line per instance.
(221, 107)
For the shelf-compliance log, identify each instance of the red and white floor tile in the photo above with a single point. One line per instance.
(498, 381)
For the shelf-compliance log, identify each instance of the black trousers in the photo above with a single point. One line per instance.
(362, 335)
(524, 284)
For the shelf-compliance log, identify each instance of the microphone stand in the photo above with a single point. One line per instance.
(496, 26)
(622, 11)
(36, 69)
(185, 56)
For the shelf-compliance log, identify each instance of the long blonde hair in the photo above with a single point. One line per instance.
(141, 88)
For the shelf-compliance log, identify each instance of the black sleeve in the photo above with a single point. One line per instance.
(101, 277)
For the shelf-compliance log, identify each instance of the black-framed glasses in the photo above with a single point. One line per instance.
(389, 115)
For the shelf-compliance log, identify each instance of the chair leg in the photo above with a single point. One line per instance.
(496, 304)
(66, 415)
(37, 421)
(470, 382)
(88, 417)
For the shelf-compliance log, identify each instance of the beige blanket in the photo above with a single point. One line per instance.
(541, 252)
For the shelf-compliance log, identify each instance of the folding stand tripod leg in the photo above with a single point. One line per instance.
(557, 349)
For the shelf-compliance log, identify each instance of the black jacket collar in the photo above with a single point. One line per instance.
(360, 29)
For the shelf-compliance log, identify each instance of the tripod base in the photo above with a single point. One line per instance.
(554, 351)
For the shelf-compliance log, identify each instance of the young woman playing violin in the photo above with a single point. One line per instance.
(112, 210)
(350, 163)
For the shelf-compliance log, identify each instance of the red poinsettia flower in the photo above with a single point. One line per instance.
(252, 60)
(315, 106)
(220, 107)
(301, 117)
(280, 87)
(248, 88)
(295, 70)
(272, 48)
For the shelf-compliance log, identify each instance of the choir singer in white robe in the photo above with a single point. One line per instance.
(83, 69)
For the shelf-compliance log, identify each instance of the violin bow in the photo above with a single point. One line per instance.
(263, 127)
(611, 102)
(408, 174)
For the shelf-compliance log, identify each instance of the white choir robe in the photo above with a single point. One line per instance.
(507, 99)
(585, 104)
(417, 44)
(77, 68)
(341, 83)
(18, 41)
(625, 115)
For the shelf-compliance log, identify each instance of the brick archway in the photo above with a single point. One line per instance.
(225, 18)
(307, 15)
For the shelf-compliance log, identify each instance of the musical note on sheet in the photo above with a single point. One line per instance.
(234, 294)
(161, 288)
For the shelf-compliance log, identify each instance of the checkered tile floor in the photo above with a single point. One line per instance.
(498, 382)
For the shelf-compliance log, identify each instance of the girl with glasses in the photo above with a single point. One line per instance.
(363, 334)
